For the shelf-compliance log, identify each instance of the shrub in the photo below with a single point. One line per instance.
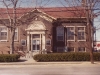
(9, 57)
(70, 56)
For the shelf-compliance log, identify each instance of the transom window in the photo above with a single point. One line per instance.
(81, 49)
(3, 33)
(36, 36)
(81, 33)
(70, 33)
(60, 33)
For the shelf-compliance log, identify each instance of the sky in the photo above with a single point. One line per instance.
(38, 3)
(55, 3)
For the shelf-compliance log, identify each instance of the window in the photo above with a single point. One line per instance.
(60, 49)
(70, 49)
(36, 36)
(23, 42)
(48, 42)
(81, 49)
(60, 33)
(3, 33)
(81, 33)
(16, 34)
(70, 33)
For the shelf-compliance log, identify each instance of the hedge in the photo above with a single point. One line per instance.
(9, 57)
(73, 56)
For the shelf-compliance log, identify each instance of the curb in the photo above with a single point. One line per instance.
(48, 63)
(39, 63)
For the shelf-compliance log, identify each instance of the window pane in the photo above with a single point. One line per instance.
(81, 49)
(3, 36)
(60, 33)
(38, 42)
(38, 47)
(81, 36)
(34, 42)
(70, 33)
(48, 42)
(34, 47)
(81, 33)
(3, 29)
(60, 37)
(3, 33)
(23, 42)
(15, 37)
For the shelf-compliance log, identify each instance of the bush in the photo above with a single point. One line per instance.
(9, 57)
(71, 56)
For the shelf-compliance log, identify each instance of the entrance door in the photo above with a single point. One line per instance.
(36, 45)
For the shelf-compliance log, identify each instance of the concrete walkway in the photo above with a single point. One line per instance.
(31, 61)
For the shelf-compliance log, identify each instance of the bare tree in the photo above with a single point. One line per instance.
(91, 8)
(10, 4)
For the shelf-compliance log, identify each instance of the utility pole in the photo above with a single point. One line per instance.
(88, 8)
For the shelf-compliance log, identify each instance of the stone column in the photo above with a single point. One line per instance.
(40, 44)
(31, 43)
(43, 41)
(28, 42)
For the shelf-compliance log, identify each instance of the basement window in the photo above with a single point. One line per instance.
(81, 49)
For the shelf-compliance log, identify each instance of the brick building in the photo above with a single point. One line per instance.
(56, 29)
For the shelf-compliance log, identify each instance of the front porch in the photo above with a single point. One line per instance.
(36, 34)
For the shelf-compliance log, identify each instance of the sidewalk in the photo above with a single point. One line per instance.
(31, 61)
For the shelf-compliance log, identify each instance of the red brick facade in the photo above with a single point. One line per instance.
(53, 29)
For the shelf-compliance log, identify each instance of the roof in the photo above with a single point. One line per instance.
(56, 12)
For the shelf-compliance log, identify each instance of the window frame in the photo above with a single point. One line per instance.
(81, 31)
(73, 31)
(17, 34)
(24, 41)
(82, 51)
(49, 42)
(6, 32)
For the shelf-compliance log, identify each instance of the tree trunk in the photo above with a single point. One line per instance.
(90, 43)
(12, 41)
(89, 27)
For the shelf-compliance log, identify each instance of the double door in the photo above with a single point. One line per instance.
(35, 44)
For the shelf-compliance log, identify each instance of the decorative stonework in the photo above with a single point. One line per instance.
(36, 25)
